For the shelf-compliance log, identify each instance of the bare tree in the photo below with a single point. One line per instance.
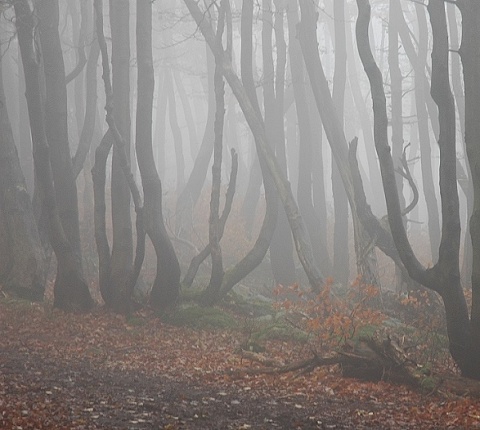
(166, 285)
(444, 276)
(71, 291)
(23, 269)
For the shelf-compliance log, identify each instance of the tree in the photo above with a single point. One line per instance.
(122, 244)
(340, 202)
(301, 239)
(444, 276)
(71, 291)
(281, 257)
(166, 285)
(23, 269)
(470, 56)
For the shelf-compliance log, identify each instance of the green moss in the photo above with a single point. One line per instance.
(201, 317)
(136, 321)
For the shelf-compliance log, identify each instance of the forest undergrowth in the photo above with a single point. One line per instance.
(100, 370)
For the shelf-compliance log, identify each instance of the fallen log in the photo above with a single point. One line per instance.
(374, 359)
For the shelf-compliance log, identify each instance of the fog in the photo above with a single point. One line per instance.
(280, 101)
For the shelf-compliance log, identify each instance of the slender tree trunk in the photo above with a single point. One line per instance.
(56, 121)
(166, 285)
(444, 277)
(190, 194)
(23, 269)
(88, 128)
(187, 110)
(465, 181)
(306, 143)
(375, 181)
(470, 55)
(340, 202)
(419, 63)
(302, 243)
(24, 134)
(160, 128)
(333, 126)
(176, 132)
(214, 222)
(281, 256)
(122, 245)
(71, 291)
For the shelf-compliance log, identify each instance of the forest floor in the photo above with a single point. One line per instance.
(99, 371)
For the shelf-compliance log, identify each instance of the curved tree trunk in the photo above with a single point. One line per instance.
(190, 194)
(88, 128)
(71, 291)
(305, 143)
(333, 127)
(302, 243)
(419, 63)
(166, 285)
(444, 277)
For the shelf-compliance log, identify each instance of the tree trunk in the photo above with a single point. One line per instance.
(331, 122)
(374, 188)
(281, 257)
(419, 63)
(187, 110)
(166, 285)
(122, 245)
(470, 55)
(88, 128)
(465, 181)
(71, 291)
(302, 243)
(23, 269)
(176, 132)
(56, 121)
(305, 143)
(214, 233)
(444, 277)
(190, 194)
(160, 119)
(340, 202)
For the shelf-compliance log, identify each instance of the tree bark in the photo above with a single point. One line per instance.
(23, 269)
(281, 257)
(444, 277)
(122, 244)
(297, 225)
(70, 290)
(340, 203)
(166, 285)
(56, 121)
(176, 132)
(470, 56)
(190, 194)
(305, 142)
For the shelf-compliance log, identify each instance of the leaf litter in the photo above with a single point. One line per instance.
(97, 371)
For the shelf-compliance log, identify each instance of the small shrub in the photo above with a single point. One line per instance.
(333, 316)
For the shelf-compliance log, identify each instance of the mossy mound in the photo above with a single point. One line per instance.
(201, 318)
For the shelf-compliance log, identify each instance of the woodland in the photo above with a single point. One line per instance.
(239, 214)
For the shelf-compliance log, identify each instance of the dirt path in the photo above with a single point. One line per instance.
(78, 395)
